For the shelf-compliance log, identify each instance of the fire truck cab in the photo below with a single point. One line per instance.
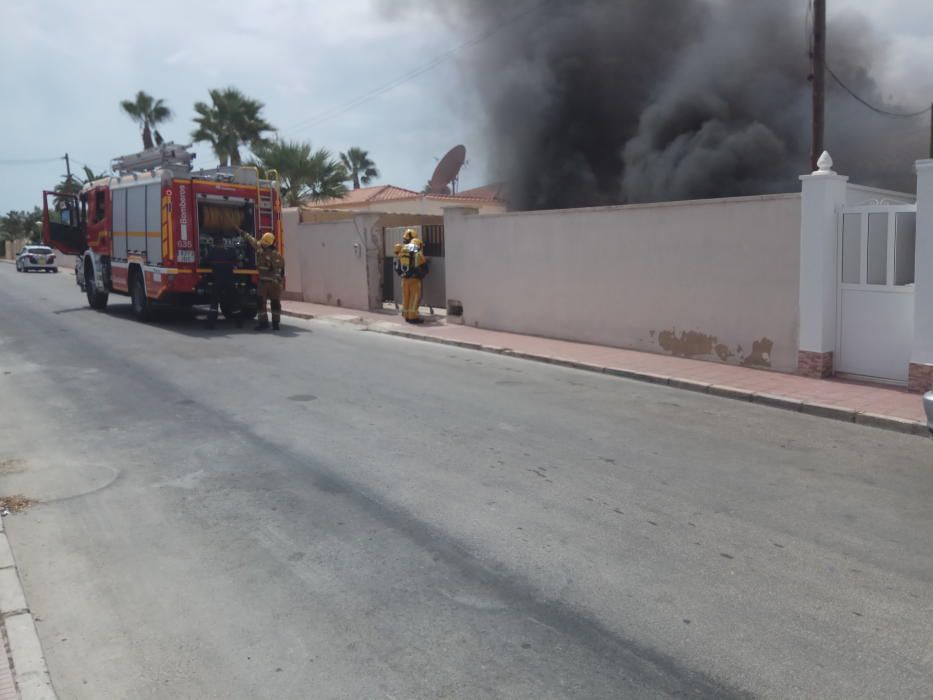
(144, 231)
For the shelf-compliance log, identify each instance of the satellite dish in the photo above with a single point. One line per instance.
(447, 170)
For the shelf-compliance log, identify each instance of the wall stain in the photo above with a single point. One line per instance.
(688, 344)
(761, 354)
(697, 344)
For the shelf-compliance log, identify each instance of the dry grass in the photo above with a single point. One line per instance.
(15, 503)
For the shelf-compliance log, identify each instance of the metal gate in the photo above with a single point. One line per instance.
(434, 294)
(875, 304)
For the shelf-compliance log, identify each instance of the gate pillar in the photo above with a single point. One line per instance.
(920, 375)
(823, 195)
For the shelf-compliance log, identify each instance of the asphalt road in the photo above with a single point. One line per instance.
(334, 513)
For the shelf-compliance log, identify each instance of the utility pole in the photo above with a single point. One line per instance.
(818, 65)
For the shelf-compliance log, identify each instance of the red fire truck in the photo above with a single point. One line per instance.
(143, 231)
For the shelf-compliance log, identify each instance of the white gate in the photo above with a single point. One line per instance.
(876, 291)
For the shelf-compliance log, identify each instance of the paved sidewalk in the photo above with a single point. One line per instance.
(868, 404)
(23, 659)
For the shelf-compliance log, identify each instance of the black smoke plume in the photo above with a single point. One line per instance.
(593, 102)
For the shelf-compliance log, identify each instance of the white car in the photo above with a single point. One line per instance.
(36, 257)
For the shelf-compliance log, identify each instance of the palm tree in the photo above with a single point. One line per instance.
(359, 167)
(327, 179)
(230, 121)
(91, 176)
(72, 184)
(148, 113)
(305, 173)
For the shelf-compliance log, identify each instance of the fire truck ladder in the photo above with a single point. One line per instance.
(268, 205)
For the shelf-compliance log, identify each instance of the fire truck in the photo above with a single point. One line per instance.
(144, 231)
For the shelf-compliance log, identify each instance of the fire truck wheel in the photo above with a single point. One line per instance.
(95, 298)
(141, 307)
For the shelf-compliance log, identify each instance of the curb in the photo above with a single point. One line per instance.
(898, 425)
(297, 314)
(29, 669)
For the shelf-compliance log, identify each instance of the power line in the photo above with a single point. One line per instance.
(872, 107)
(411, 75)
(29, 161)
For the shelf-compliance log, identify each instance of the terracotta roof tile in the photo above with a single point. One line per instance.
(364, 195)
(391, 193)
(492, 192)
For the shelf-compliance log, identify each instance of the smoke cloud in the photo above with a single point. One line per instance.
(594, 102)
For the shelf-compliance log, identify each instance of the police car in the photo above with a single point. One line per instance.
(36, 257)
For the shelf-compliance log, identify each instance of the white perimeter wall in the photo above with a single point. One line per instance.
(325, 263)
(714, 279)
(419, 206)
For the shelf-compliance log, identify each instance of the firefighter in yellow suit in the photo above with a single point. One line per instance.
(271, 267)
(412, 266)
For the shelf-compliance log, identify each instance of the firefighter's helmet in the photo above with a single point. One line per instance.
(408, 235)
(267, 239)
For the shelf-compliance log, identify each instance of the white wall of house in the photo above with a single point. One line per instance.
(290, 219)
(433, 206)
(336, 257)
(714, 279)
(326, 263)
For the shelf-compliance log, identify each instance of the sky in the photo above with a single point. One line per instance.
(66, 66)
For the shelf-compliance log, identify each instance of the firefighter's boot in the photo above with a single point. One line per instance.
(211, 321)
(263, 323)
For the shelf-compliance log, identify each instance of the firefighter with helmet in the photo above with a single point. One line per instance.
(271, 267)
(412, 266)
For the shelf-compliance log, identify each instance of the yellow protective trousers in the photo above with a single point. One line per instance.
(411, 297)
(271, 290)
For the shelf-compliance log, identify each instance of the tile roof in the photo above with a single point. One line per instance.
(495, 192)
(391, 193)
(364, 195)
